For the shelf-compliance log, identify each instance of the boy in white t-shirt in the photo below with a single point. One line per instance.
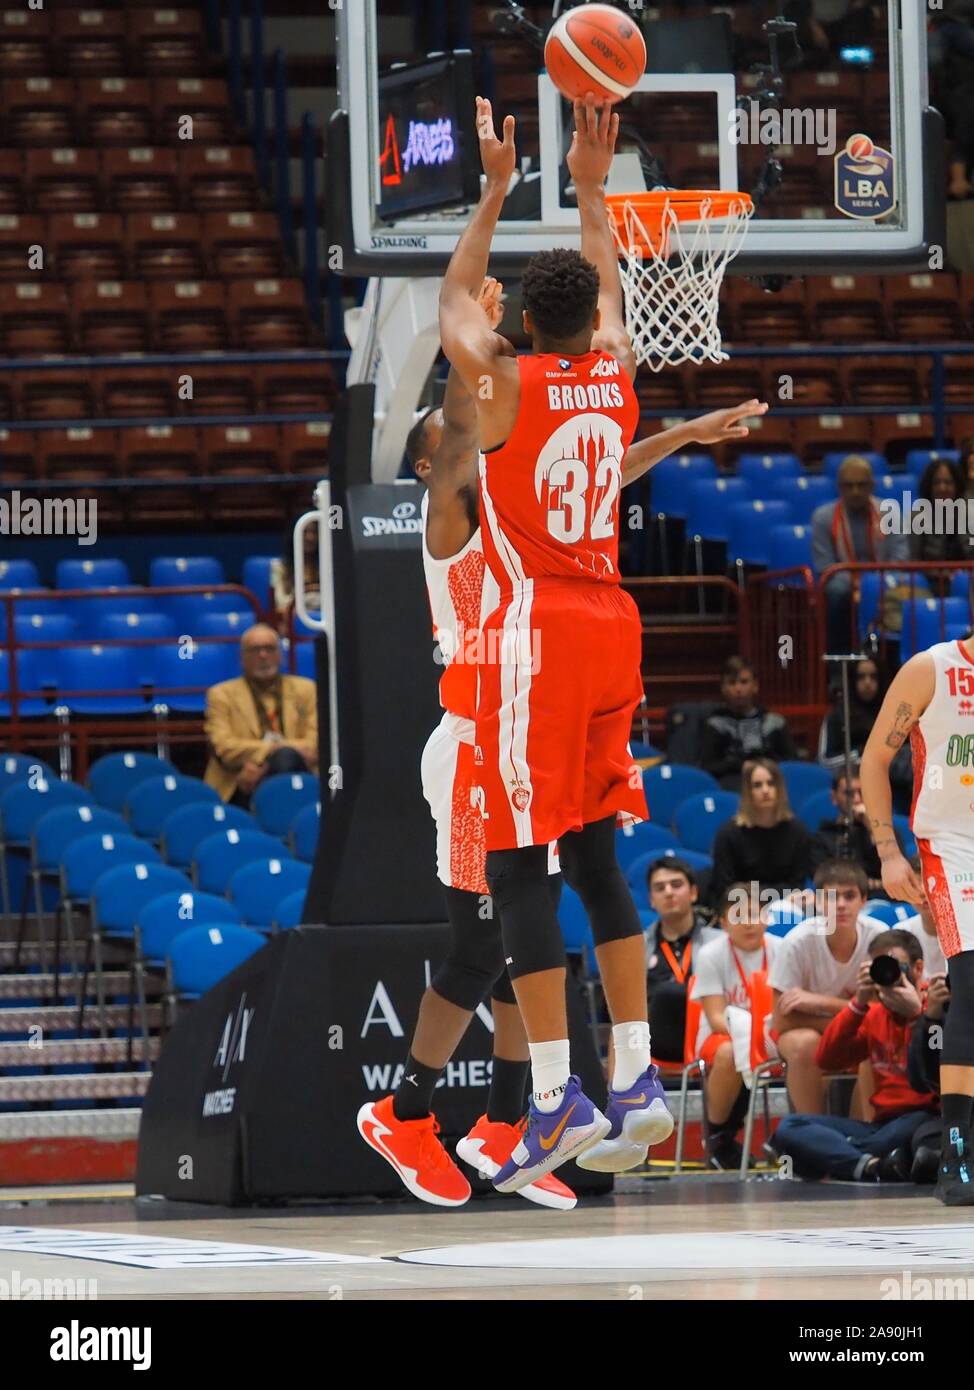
(815, 974)
(724, 967)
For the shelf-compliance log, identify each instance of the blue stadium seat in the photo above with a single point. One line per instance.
(233, 624)
(671, 478)
(220, 855)
(893, 914)
(83, 863)
(188, 826)
(17, 767)
(256, 577)
(278, 799)
(667, 784)
(258, 888)
(789, 547)
(187, 609)
(37, 671)
(697, 819)
(18, 574)
(895, 485)
(175, 676)
(960, 584)
(120, 893)
(922, 619)
(635, 840)
(290, 910)
(782, 917)
(170, 571)
(803, 494)
(21, 806)
(918, 459)
(99, 668)
(832, 462)
(901, 827)
(202, 956)
(90, 613)
(641, 749)
(869, 587)
(44, 627)
(92, 574)
(114, 777)
(160, 921)
(709, 504)
(762, 469)
(749, 527)
(57, 829)
(814, 809)
(304, 831)
(151, 803)
(804, 780)
(576, 929)
(120, 626)
(305, 660)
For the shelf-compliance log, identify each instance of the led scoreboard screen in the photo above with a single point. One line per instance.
(428, 156)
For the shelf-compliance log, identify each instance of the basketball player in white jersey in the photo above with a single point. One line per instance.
(931, 702)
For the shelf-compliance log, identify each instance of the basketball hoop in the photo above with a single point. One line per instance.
(672, 274)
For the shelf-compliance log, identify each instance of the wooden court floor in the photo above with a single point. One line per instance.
(695, 1238)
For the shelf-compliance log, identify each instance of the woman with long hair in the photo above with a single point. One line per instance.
(764, 844)
(867, 689)
(946, 482)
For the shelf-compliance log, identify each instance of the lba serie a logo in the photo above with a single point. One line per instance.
(865, 179)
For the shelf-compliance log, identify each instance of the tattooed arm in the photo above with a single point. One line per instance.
(907, 698)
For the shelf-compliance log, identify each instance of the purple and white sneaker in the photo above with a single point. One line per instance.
(638, 1118)
(551, 1139)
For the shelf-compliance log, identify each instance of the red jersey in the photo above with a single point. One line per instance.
(549, 496)
(876, 1034)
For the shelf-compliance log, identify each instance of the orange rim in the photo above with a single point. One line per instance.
(685, 204)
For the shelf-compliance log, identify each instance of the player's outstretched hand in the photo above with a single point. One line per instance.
(497, 158)
(491, 300)
(594, 143)
(900, 882)
(721, 425)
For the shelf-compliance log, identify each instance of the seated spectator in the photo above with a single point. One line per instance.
(672, 946)
(866, 694)
(816, 973)
(966, 462)
(847, 531)
(923, 1071)
(765, 843)
(924, 928)
(261, 722)
(942, 481)
(723, 970)
(740, 728)
(875, 1025)
(282, 576)
(847, 836)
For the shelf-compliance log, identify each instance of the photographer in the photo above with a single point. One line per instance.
(923, 1070)
(876, 1025)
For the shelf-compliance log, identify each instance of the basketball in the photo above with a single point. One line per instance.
(595, 49)
(859, 146)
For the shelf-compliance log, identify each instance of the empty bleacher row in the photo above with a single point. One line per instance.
(145, 869)
(136, 39)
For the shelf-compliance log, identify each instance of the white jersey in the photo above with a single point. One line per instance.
(462, 593)
(943, 749)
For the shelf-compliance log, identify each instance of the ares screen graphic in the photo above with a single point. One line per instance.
(428, 148)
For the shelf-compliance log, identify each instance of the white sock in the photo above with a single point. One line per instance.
(550, 1070)
(630, 1042)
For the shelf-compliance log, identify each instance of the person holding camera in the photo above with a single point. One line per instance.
(876, 1026)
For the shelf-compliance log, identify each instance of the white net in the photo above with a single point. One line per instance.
(672, 280)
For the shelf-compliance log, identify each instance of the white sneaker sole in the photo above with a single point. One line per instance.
(581, 1139)
(639, 1132)
(407, 1176)
(475, 1157)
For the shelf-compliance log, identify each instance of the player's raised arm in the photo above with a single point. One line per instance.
(715, 428)
(908, 696)
(589, 161)
(469, 341)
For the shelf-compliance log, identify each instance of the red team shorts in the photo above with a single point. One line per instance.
(449, 785)
(560, 677)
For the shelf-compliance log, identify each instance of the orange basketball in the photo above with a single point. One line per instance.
(597, 49)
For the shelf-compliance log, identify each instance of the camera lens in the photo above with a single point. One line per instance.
(885, 971)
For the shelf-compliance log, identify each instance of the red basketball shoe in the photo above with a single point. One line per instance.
(413, 1149)
(487, 1148)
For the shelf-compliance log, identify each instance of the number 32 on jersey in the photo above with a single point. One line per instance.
(578, 477)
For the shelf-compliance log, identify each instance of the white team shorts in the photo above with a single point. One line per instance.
(947, 865)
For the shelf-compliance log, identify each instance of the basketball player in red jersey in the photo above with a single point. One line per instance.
(929, 702)
(443, 449)
(555, 707)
